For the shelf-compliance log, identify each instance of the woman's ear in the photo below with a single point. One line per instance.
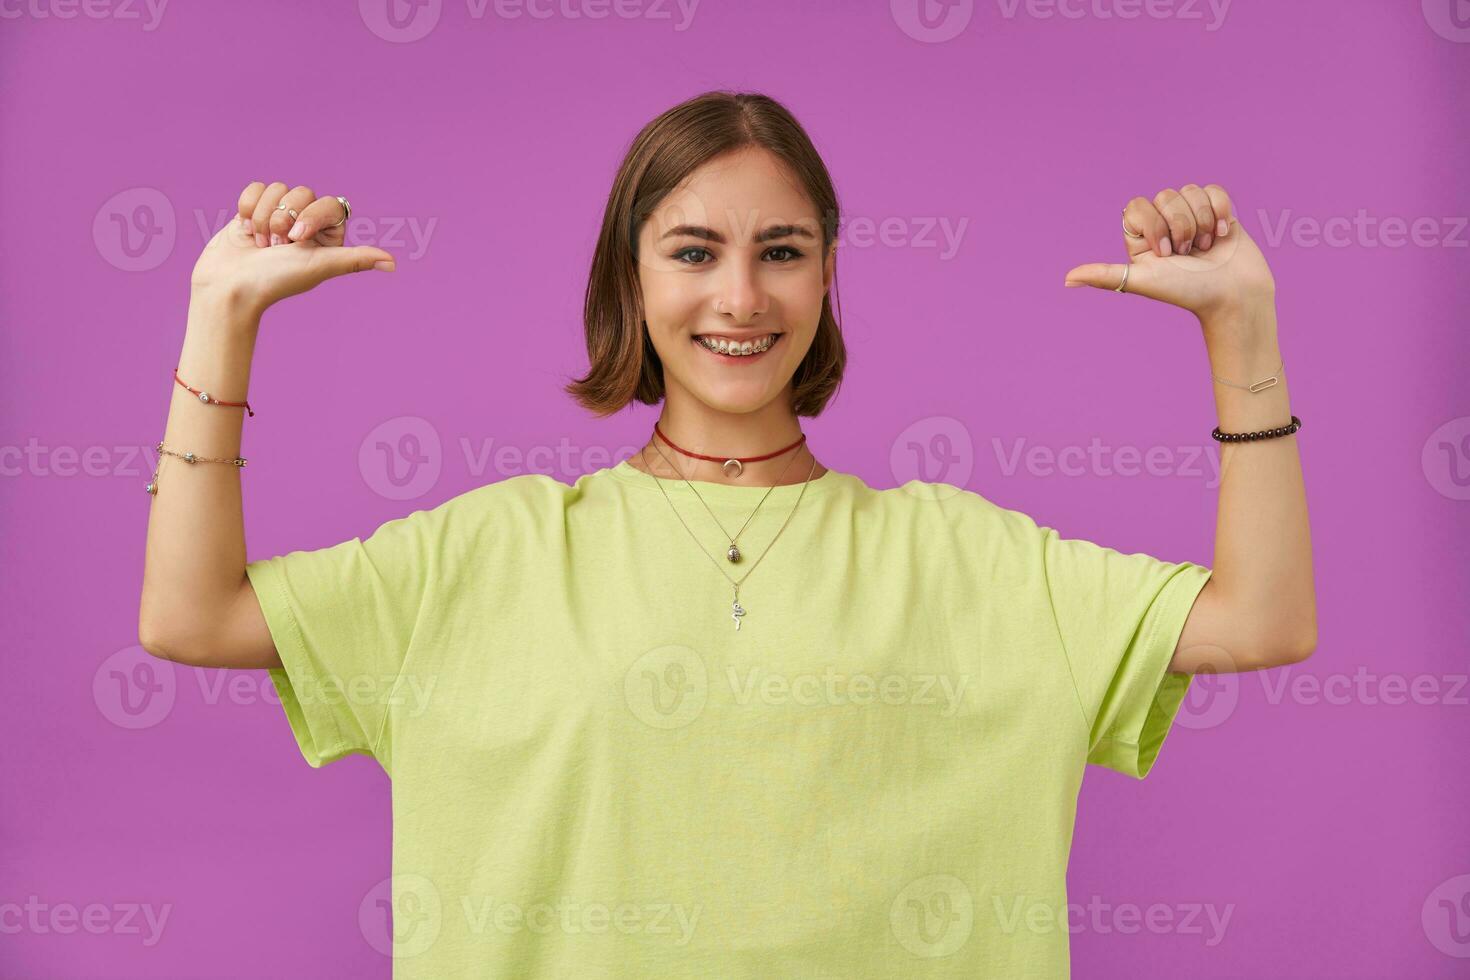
(829, 267)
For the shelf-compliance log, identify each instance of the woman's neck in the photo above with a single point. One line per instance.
(727, 438)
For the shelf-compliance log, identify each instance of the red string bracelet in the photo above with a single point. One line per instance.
(209, 399)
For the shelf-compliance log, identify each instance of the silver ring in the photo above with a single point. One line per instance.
(1126, 230)
(1125, 279)
(346, 211)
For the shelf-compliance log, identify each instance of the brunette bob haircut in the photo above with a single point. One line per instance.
(623, 364)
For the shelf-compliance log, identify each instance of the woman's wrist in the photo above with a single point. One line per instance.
(222, 308)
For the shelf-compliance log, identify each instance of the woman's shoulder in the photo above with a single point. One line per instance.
(947, 503)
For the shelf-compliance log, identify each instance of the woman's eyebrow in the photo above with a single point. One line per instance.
(709, 234)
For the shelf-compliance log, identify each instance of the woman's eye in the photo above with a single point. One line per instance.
(683, 255)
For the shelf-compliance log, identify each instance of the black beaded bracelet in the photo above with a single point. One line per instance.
(1284, 430)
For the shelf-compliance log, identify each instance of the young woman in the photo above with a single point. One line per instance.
(719, 710)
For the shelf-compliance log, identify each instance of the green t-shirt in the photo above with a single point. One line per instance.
(595, 773)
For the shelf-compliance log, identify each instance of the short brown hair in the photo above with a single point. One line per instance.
(623, 364)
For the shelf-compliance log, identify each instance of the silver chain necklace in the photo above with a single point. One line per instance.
(733, 552)
(736, 610)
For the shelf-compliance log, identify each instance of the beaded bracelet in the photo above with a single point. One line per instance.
(1284, 430)
(209, 399)
(152, 486)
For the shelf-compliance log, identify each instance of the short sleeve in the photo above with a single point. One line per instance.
(1119, 617)
(342, 619)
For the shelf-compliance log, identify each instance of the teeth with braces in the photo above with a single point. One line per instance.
(721, 345)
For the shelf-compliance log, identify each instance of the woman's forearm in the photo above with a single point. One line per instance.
(195, 558)
(1263, 553)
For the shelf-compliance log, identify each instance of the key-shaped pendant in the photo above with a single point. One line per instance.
(736, 612)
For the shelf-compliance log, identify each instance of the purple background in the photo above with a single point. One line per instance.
(1330, 827)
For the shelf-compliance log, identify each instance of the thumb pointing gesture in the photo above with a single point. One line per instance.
(1185, 248)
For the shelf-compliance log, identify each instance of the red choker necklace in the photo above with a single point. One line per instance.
(732, 464)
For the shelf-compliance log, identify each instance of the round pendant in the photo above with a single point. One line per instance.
(733, 554)
(733, 467)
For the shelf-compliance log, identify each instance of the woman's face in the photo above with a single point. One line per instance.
(735, 253)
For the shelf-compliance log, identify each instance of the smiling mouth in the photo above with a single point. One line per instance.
(735, 350)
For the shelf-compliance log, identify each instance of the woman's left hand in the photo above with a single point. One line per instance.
(1193, 254)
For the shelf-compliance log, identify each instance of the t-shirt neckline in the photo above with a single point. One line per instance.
(626, 472)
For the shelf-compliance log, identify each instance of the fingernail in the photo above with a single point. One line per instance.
(383, 265)
(260, 239)
(1205, 240)
(244, 223)
(1069, 285)
(1221, 227)
(275, 239)
(1184, 249)
(1166, 246)
(295, 231)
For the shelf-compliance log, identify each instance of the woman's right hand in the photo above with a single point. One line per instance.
(235, 264)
